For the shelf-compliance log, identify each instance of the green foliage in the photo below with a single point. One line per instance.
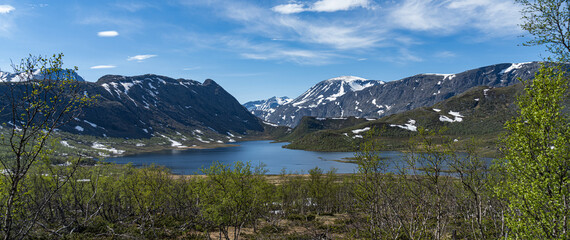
(536, 166)
(36, 108)
(484, 120)
(373, 187)
(233, 197)
(549, 22)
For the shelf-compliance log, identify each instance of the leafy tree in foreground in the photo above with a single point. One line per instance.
(374, 188)
(45, 97)
(234, 197)
(549, 22)
(537, 160)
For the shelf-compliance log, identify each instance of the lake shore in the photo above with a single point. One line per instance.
(186, 161)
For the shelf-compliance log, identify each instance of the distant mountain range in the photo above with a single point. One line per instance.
(264, 108)
(479, 113)
(18, 77)
(192, 112)
(353, 96)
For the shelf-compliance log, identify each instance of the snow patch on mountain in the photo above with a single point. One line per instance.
(513, 66)
(410, 125)
(100, 146)
(457, 117)
(361, 130)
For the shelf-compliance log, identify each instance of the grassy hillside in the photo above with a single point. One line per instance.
(479, 113)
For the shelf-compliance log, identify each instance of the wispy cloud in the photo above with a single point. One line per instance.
(191, 68)
(38, 5)
(340, 37)
(5, 9)
(445, 54)
(108, 34)
(103, 67)
(322, 6)
(305, 57)
(7, 20)
(277, 52)
(493, 17)
(132, 6)
(140, 58)
(402, 56)
(389, 29)
(120, 23)
(290, 8)
(340, 34)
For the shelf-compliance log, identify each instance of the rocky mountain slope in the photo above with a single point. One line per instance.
(375, 99)
(478, 113)
(264, 108)
(157, 106)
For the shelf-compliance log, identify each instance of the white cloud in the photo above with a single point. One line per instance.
(322, 6)
(4, 9)
(339, 33)
(140, 58)
(338, 5)
(491, 17)
(340, 37)
(103, 67)
(289, 8)
(108, 34)
(271, 51)
(387, 30)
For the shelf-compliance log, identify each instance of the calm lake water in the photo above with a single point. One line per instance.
(276, 158)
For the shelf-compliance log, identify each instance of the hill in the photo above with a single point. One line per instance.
(478, 113)
(351, 96)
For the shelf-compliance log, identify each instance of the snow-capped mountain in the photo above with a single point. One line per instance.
(13, 77)
(264, 108)
(331, 89)
(150, 105)
(325, 92)
(351, 96)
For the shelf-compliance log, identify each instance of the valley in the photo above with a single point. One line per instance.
(149, 113)
(305, 119)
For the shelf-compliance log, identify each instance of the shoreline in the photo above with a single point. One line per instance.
(197, 147)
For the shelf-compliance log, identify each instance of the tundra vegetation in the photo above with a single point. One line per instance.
(436, 193)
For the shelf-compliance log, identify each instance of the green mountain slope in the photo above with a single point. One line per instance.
(477, 113)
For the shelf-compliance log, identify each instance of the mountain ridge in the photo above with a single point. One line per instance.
(264, 108)
(149, 105)
(384, 98)
(478, 113)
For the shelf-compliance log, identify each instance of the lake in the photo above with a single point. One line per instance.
(276, 158)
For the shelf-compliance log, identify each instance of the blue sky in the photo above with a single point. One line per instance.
(257, 49)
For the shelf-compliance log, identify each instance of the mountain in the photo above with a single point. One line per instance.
(13, 77)
(264, 108)
(479, 113)
(374, 99)
(157, 106)
(314, 101)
